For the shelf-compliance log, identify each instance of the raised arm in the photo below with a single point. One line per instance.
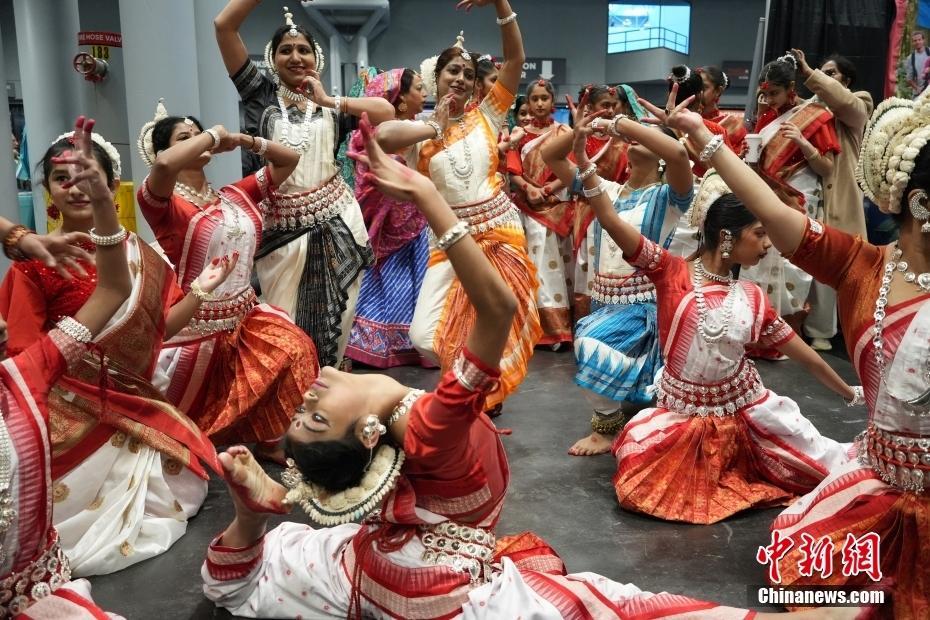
(851, 109)
(784, 225)
(226, 25)
(281, 159)
(113, 283)
(494, 302)
(511, 41)
(170, 162)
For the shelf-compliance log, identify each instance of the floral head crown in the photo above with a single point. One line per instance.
(107, 147)
(428, 66)
(894, 136)
(144, 143)
(712, 187)
(680, 79)
(292, 32)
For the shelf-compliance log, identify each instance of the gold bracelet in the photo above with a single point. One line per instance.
(11, 242)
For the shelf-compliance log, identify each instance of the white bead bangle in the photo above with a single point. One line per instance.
(503, 21)
(262, 146)
(215, 135)
(435, 127)
(858, 396)
(612, 128)
(708, 151)
(595, 191)
(108, 240)
(74, 328)
(198, 292)
(584, 174)
(452, 236)
(337, 104)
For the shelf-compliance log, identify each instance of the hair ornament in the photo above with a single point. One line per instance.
(107, 147)
(788, 58)
(292, 32)
(144, 143)
(726, 79)
(894, 136)
(487, 57)
(682, 79)
(289, 21)
(350, 504)
(712, 187)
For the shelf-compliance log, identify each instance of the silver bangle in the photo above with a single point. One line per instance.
(74, 328)
(503, 21)
(198, 292)
(858, 396)
(435, 127)
(452, 236)
(337, 104)
(215, 135)
(262, 146)
(108, 240)
(708, 151)
(595, 191)
(584, 174)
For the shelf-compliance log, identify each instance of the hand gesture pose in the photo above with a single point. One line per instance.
(791, 131)
(444, 110)
(59, 252)
(677, 117)
(312, 87)
(85, 171)
(228, 141)
(804, 69)
(391, 177)
(216, 272)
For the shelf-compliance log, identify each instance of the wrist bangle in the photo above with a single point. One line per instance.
(595, 191)
(213, 133)
(612, 128)
(345, 105)
(11, 242)
(584, 174)
(452, 236)
(708, 151)
(108, 240)
(813, 155)
(74, 328)
(435, 127)
(337, 104)
(503, 21)
(262, 146)
(198, 292)
(858, 396)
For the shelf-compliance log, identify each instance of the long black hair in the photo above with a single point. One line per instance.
(335, 465)
(161, 133)
(60, 146)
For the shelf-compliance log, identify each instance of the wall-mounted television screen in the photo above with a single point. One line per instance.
(633, 26)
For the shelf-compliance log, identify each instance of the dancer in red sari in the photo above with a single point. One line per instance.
(34, 572)
(239, 367)
(883, 295)
(716, 82)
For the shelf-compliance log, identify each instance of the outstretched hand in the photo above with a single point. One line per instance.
(391, 177)
(59, 252)
(677, 117)
(216, 272)
(85, 171)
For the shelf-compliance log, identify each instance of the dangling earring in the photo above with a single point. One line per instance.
(792, 98)
(726, 246)
(52, 212)
(373, 428)
(402, 107)
(919, 210)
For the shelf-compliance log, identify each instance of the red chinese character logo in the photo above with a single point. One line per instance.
(861, 555)
(773, 553)
(818, 556)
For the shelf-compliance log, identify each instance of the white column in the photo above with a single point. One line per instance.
(219, 102)
(46, 40)
(334, 65)
(9, 205)
(160, 60)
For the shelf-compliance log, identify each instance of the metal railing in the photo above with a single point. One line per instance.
(646, 38)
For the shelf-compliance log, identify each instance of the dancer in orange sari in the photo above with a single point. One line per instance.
(546, 213)
(459, 152)
(129, 469)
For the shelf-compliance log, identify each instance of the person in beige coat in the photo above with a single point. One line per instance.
(842, 198)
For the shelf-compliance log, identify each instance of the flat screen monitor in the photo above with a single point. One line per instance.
(633, 26)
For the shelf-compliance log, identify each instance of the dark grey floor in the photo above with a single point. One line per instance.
(567, 500)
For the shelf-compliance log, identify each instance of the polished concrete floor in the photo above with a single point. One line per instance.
(567, 500)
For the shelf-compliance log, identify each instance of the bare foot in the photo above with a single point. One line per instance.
(253, 491)
(271, 451)
(595, 443)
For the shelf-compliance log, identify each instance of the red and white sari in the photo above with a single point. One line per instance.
(719, 442)
(452, 487)
(875, 493)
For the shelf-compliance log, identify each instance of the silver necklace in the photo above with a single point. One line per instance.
(712, 334)
(7, 509)
(296, 136)
(233, 232)
(403, 407)
(922, 281)
(291, 95)
(922, 401)
(466, 169)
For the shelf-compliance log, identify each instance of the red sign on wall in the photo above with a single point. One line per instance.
(110, 39)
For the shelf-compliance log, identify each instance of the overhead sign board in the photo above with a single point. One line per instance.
(552, 69)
